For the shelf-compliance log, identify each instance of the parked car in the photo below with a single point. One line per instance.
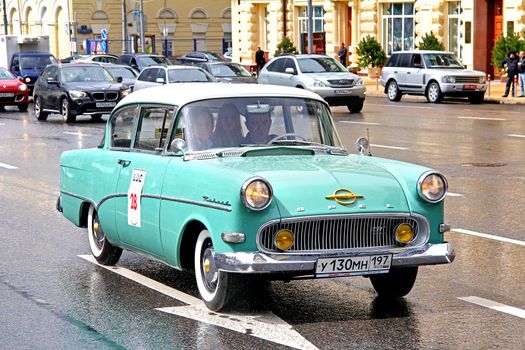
(161, 75)
(13, 92)
(29, 65)
(139, 61)
(127, 73)
(318, 73)
(198, 57)
(70, 59)
(102, 58)
(72, 89)
(228, 72)
(239, 181)
(435, 74)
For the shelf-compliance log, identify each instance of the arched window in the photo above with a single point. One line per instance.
(98, 15)
(167, 14)
(198, 14)
(227, 13)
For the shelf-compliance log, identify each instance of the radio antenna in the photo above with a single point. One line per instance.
(369, 144)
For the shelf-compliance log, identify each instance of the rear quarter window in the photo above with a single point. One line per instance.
(392, 61)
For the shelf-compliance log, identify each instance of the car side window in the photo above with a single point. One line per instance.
(392, 61)
(161, 74)
(53, 73)
(416, 61)
(152, 75)
(276, 66)
(153, 128)
(404, 60)
(289, 63)
(15, 65)
(45, 74)
(122, 124)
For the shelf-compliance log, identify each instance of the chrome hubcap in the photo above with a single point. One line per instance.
(392, 90)
(98, 233)
(209, 271)
(65, 111)
(433, 92)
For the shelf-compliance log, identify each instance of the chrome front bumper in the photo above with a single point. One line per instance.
(304, 264)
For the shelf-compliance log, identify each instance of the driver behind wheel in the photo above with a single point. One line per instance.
(258, 125)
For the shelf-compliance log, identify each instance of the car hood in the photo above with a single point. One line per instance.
(331, 76)
(301, 183)
(456, 72)
(9, 84)
(92, 85)
(33, 73)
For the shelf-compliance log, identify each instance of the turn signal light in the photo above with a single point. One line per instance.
(284, 239)
(404, 233)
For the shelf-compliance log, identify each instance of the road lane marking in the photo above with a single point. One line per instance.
(396, 105)
(490, 110)
(516, 135)
(486, 235)
(494, 306)
(2, 124)
(364, 123)
(266, 326)
(7, 166)
(451, 194)
(390, 147)
(76, 133)
(481, 118)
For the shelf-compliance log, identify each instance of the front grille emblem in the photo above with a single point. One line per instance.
(344, 196)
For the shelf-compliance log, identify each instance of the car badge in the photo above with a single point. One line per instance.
(342, 81)
(344, 196)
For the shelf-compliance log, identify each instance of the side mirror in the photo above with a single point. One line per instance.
(134, 66)
(119, 79)
(289, 70)
(160, 81)
(178, 146)
(362, 145)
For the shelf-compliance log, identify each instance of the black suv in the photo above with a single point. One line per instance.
(72, 89)
(139, 61)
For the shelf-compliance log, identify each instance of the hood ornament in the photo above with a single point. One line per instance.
(344, 196)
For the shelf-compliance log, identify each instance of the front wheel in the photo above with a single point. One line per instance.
(65, 110)
(355, 107)
(218, 289)
(103, 251)
(395, 284)
(434, 94)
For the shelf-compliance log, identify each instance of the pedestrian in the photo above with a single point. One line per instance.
(259, 59)
(511, 63)
(282, 52)
(521, 66)
(342, 54)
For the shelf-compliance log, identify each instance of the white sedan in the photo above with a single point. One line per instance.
(161, 75)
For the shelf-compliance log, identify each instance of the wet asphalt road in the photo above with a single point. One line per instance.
(52, 299)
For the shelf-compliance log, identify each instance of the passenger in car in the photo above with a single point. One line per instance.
(228, 132)
(201, 123)
(258, 125)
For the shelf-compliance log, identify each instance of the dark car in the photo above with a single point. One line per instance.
(73, 89)
(198, 57)
(229, 72)
(139, 61)
(127, 73)
(29, 65)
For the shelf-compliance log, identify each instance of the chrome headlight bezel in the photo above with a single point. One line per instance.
(317, 83)
(247, 202)
(450, 79)
(443, 191)
(359, 81)
(482, 80)
(77, 95)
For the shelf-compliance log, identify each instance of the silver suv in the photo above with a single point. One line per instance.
(434, 74)
(162, 75)
(320, 74)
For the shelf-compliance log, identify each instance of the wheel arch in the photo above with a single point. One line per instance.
(83, 214)
(430, 81)
(388, 82)
(187, 243)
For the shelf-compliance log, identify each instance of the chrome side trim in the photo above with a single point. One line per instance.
(200, 204)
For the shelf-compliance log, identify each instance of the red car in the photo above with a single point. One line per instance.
(13, 92)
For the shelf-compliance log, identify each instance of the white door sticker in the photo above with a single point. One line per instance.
(135, 190)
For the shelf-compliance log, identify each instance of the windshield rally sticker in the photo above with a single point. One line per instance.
(135, 190)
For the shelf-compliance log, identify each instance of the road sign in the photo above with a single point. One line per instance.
(104, 46)
(104, 34)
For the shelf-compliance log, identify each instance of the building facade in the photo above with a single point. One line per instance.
(170, 27)
(467, 27)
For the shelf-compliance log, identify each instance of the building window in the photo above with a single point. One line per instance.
(468, 32)
(198, 14)
(167, 14)
(510, 27)
(317, 17)
(99, 15)
(454, 27)
(398, 27)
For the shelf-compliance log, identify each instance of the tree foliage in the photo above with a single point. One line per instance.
(370, 53)
(430, 42)
(505, 44)
(287, 45)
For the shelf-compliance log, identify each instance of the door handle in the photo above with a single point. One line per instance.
(395, 72)
(124, 162)
(409, 73)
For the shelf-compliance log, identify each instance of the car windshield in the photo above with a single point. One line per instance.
(442, 60)
(152, 60)
(229, 70)
(6, 75)
(36, 62)
(187, 75)
(121, 72)
(80, 73)
(320, 65)
(212, 56)
(257, 122)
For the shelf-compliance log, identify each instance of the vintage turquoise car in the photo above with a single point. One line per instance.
(240, 181)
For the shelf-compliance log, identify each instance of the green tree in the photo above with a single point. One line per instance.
(287, 45)
(505, 44)
(370, 53)
(430, 42)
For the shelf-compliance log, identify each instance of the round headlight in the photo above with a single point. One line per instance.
(256, 194)
(404, 233)
(432, 187)
(27, 79)
(284, 239)
(22, 87)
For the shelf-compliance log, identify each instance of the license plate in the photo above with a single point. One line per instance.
(106, 104)
(470, 87)
(356, 265)
(343, 92)
(7, 94)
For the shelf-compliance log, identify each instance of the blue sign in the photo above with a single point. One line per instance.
(104, 34)
(104, 46)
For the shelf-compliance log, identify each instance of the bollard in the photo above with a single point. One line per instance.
(514, 86)
(377, 81)
(488, 81)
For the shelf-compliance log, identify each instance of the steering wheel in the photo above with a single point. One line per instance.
(286, 135)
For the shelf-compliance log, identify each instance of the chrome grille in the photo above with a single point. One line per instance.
(472, 80)
(322, 234)
(98, 96)
(341, 82)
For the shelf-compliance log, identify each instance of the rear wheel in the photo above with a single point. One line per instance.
(476, 98)
(218, 289)
(65, 111)
(393, 92)
(2, 108)
(355, 107)
(103, 251)
(39, 113)
(23, 107)
(434, 94)
(397, 283)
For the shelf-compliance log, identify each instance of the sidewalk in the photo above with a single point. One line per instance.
(496, 90)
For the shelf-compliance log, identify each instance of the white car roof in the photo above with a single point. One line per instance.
(423, 51)
(182, 93)
(172, 66)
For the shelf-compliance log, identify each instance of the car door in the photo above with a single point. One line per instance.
(147, 78)
(141, 178)
(400, 72)
(272, 73)
(287, 76)
(415, 73)
(52, 92)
